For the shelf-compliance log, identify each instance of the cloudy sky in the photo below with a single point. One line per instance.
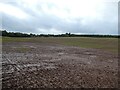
(60, 16)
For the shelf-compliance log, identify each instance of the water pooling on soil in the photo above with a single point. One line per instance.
(57, 66)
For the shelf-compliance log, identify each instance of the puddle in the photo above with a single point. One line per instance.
(55, 59)
(93, 56)
(52, 60)
(61, 53)
(32, 47)
(28, 67)
(50, 67)
(32, 65)
(88, 53)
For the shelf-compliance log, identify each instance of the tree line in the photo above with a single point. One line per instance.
(18, 34)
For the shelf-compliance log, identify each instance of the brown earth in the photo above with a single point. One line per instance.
(35, 65)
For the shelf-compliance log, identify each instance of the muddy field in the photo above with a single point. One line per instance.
(37, 65)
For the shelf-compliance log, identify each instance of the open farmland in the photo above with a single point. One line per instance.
(60, 62)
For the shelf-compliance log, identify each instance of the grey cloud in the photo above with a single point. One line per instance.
(47, 22)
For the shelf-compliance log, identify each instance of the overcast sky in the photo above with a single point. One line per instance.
(60, 16)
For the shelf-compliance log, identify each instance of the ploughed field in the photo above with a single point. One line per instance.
(57, 63)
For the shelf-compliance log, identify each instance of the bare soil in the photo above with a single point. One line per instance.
(39, 65)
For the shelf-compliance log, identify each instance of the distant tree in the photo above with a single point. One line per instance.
(32, 35)
(18, 34)
(4, 33)
(0, 33)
